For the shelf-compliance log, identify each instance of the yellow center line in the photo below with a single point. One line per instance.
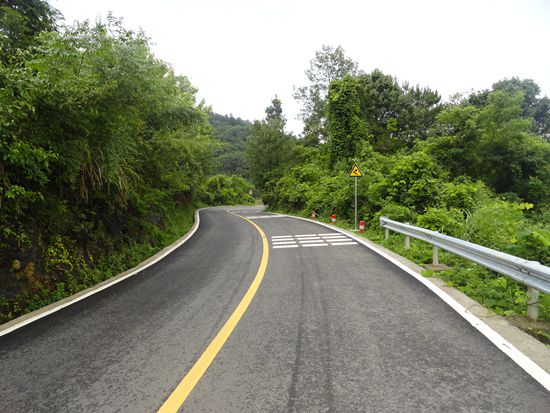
(180, 393)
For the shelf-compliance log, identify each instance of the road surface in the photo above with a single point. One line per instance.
(333, 327)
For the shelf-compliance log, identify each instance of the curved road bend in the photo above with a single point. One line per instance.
(127, 347)
(333, 327)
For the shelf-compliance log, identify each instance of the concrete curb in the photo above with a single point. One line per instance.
(28, 318)
(526, 351)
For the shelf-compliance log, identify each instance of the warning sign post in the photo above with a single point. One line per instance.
(355, 173)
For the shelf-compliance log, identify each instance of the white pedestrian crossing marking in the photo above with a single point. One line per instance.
(311, 240)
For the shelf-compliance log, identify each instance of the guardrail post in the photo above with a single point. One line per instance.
(386, 233)
(532, 303)
(407, 242)
(435, 255)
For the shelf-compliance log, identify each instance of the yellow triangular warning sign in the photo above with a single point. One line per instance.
(355, 172)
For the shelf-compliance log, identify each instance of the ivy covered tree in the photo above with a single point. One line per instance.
(346, 126)
(328, 65)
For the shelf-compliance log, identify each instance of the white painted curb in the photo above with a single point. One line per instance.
(52, 308)
(533, 369)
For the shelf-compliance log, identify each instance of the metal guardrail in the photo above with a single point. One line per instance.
(531, 273)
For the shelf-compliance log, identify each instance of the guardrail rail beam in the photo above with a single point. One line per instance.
(530, 273)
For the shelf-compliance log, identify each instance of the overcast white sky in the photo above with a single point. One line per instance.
(240, 53)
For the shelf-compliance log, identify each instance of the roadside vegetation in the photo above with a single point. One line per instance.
(105, 153)
(476, 168)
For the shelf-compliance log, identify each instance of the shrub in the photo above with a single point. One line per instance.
(396, 212)
(228, 190)
(448, 221)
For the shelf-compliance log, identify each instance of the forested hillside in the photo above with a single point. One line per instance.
(104, 154)
(477, 167)
(233, 133)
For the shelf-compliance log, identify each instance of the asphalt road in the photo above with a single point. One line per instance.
(333, 327)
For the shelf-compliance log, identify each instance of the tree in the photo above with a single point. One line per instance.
(495, 143)
(83, 117)
(102, 148)
(532, 106)
(230, 154)
(345, 124)
(329, 64)
(268, 148)
(274, 114)
(22, 20)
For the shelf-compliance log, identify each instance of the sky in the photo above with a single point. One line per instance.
(241, 53)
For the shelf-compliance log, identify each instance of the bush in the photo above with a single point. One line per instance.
(228, 190)
(494, 224)
(396, 212)
(447, 221)
(532, 244)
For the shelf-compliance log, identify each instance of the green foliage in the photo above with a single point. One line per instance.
(494, 224)
(493, 142)
(57, 259)
(21, 21)
(269, 151)
(499, 293)
(413, 181)
(462, 194)
(101, 145)
(345, 126)
(395, 212)
(329, 64)
(229, 190)
(230, 155)
(447, 221)
(533, 244)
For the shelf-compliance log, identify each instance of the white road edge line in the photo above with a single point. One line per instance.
(54, 307)
(532, 368)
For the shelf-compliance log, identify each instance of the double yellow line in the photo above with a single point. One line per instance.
(178, 396)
